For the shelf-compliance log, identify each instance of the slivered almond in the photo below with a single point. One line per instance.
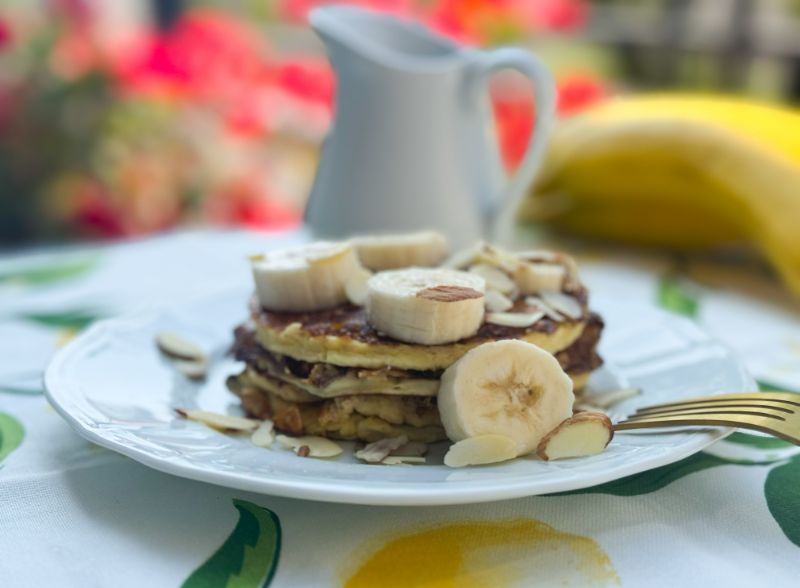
(611, 397)
(376, 451)
(497, 302)
(264, 435)
(513, 319)
(194, 370)
(496, 278)
(583, 434)
(480, 450)
(411, 449)
(317, 446)
(445, 293)
(566, 305)
(541, 306)
(402, 459)
(220, 422)
(177, 347)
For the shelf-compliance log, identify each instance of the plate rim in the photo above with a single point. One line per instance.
(319, 489)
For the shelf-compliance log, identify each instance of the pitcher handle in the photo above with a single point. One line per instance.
(544, 98)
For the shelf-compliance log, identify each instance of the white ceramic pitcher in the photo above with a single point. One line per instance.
(413, 144)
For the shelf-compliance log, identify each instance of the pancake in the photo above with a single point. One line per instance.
(342, 336)
(297, 396)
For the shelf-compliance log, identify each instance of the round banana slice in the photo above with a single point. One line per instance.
(305, 278)
(382, 252)
(508, 387)
(427, 306)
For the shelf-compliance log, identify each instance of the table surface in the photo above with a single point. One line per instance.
(73, 514)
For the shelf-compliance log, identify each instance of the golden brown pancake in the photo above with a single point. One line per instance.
(296, 394)
(342, 336)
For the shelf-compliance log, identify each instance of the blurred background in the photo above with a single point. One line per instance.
(131, 117)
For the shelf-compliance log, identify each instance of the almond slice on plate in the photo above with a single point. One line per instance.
(583, 434)
(513, 319)
(480, 450)
(375, 452)
(314, 446)
(175, 346)
(221, 422)
(411, 449)
(402, 459)
(264, 435)
(194, 370)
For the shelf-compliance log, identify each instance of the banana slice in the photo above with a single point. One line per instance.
(305, 278)
(427, 306)
(382, 252)
(508, 387)
(533, 278)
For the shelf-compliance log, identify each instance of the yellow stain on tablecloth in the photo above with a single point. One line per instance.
(485, 554)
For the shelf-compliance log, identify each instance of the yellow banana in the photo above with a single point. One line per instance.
(679, 171)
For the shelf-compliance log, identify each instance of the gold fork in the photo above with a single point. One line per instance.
(775, 413)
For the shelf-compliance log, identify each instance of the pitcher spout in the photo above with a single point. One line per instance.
(381, 37)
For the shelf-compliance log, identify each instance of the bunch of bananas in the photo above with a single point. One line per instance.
(679, 171)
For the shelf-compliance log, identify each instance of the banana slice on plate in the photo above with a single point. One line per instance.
(305, 278)
(382, 252)
(508, 387)
(426, 305)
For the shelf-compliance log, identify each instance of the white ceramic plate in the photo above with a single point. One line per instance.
(112, 385)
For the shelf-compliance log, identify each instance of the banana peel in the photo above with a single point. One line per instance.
(684, 172)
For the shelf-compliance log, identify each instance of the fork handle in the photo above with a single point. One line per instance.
(740, 422)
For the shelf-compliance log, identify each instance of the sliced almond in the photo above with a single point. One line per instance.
(264, 435)
(583, 434)
(356, 287)
(375, 452)
(220, 422)
(541, 306)
(317, 446)
(480, 450)
(402, 459)
(194, 370)
(499, 258)
(464, 257)
(497, 302)
(566, 305)
(496, 278)
(611, 397)
(411, 449)
(513, 319)
(177, 347)
(533, 278)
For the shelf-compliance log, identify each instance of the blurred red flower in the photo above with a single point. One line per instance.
(515, 117)
(243, 201)
(207, 55)
(5, 34)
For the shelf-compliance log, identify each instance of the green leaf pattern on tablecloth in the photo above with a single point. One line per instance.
(249, 556)
(21, 391)
(782, 490)
(11, 434)
(673, 295)
(658, 478)
(40, 275)
(75, 320)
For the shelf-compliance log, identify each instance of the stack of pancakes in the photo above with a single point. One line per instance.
(330, 373)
